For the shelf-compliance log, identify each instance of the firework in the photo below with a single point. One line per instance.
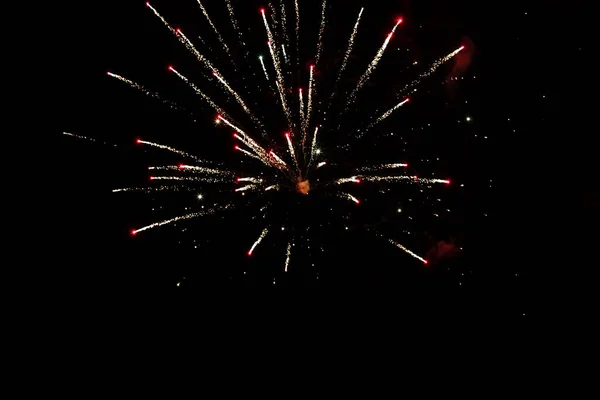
(303, 151)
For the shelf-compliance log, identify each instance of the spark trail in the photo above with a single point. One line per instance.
(365, 77)
(141, 88)
(310, 95)
(292, 152)
(313, 147)
(260, 238)
(398, 245)
(286, 38)
(321, 31)
(387, 114)
(348, 51)
(382, 166)
(180, 218)
(430, 71)
(87, 138)
(163, 188)
(287, 257)
(234, 21)
(297, 8)
(262, 62)
(198, 91)
(216, 30)
(171, 149)
(187, 178)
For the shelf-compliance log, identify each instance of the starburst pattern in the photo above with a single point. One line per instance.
(291, 160)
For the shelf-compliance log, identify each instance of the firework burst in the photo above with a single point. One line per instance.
(292, 158)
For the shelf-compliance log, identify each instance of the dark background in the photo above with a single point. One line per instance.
(518, 82)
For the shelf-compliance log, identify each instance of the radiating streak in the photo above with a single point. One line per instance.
(188, 44)
(276, 157)
(215, 29)
(185, 178)
(365, 77)
(246, 152)
(272, 187)
(180, 218)
(302, 116)
(171, 149)
(348, 51)
(199, 92)
(297, 8)
(284, 24)
(141, 88)
(288, 254)
(321, 164)
(260, 238)
(185, 41)
(163, 188)
(353, 179)
(431, 70)
(251, 179)
(398, 245)
(205, 170)
(284, 54)
(87, 138)
(233, 93)
(241, 132)
(321, 31)
(292, 152)
(280, 84)
(401, 178)
(309, 106)
(349, 197)
(244, 188)
(160, 17)
(263, 67)
(313, 147)
(385, 115)
(382, 166)
(232, 17)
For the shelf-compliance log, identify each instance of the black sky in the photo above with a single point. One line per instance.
(519, 84)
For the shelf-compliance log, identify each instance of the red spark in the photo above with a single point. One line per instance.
(133, 232)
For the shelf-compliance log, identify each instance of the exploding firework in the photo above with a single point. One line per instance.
(292, 161)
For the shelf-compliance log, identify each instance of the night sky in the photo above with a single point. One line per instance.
(472, 121)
